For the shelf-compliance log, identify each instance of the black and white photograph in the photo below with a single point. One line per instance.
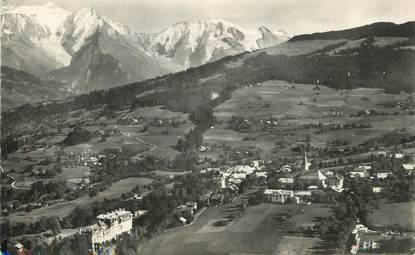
(215, 127)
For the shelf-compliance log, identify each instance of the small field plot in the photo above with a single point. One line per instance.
(73, 174)
(122, 186)
(156, 112)
(378, 41)
(389, 214)
(220, 134)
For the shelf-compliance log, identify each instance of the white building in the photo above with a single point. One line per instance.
(360, 171)
(261, 174)
(376, 190)
(286, 180)
(109, 227)
(286, 168)
(244, 169)
(383, 175)
(278, 195)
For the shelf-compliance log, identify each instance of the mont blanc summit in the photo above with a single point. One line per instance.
(88, 51)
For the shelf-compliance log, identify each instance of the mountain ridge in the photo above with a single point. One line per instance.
(391, 29)
(55, 37)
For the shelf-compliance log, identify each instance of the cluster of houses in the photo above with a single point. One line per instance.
(85, 158)
(312, 181)
(370, 241)
(233, 176)
(365, 240)
(185, 211)
(156, 121)
(283, 196)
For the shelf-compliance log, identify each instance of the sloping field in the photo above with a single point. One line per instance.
(256, 232)
(300, 47)
(389, 214)
(282, 99)
(65, 208)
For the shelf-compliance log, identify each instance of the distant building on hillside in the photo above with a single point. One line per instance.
(109, 227)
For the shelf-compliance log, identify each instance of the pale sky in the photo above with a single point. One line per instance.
(295, 16)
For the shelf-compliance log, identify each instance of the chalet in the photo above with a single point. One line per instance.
(408, 168)
(369, 242)
(312, 188)
(376, 190)
(286, 168)
(302, 194)
(233, 189)
(382, 153)
(261, 174)
(257, 164)
(135, 197)
(185, 210)
(286, 180)
(335, 182)
(397, 155)
(183, 220)
(365, 240)
(139, 213)
(360, 171)
(192, 205)
(381, 176)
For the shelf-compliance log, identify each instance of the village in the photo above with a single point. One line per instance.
(144, 174)
(302, 183)
(295, 184)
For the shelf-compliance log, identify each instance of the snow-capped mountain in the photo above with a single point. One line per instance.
(32, 38)
(88, 51)
(103, 55)
(191, 44)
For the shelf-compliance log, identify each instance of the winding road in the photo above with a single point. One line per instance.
(153, 146)
(14, 181)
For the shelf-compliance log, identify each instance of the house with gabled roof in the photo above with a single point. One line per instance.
(278, 195)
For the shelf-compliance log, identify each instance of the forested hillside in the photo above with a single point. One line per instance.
(377, 29)
(19, 87)
(388, 68)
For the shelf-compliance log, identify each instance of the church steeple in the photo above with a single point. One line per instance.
(306, 164)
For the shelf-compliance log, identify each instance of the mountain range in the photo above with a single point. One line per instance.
(375, 59)
(87, 51)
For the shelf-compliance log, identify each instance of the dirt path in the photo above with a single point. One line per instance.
(153, 146)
